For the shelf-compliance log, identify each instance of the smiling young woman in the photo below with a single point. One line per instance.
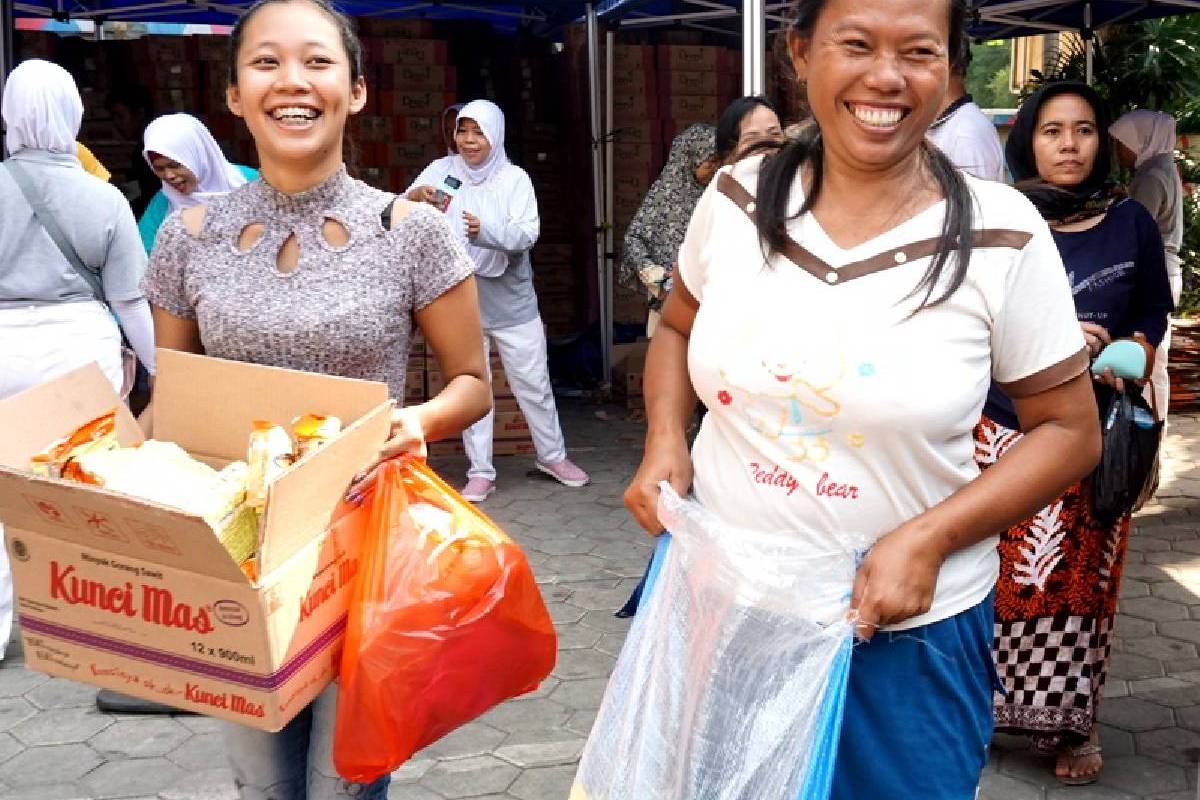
(310, 269)
(881, 291)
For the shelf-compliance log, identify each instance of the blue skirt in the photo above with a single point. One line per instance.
(918, 718)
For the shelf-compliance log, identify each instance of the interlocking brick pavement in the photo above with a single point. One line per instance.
(587, 554)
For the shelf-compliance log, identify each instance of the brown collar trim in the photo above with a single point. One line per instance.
(800, 256)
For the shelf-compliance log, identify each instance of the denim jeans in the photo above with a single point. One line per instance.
(297, 762)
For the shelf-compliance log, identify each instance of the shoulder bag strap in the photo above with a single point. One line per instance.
(42, 214)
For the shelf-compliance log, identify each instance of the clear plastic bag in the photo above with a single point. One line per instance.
(732, 680)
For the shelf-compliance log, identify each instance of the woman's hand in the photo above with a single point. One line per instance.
(666, 459)
(407, 435)
(1097, 337)
(422, 194)
(472, 225)
(897, 579)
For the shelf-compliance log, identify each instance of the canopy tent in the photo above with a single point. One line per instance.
(1006, 19)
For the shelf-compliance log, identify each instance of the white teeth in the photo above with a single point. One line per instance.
(878, 117)
(294, 113)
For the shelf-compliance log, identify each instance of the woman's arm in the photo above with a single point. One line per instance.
(515, 228)
(670, 403)
(1151, 301)
(450, 322)
(1061, 445)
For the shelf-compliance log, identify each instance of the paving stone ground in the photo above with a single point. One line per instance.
(587, 554)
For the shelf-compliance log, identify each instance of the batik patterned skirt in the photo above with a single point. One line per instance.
(1060, 573)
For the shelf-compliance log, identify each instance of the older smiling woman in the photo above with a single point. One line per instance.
(894, 290)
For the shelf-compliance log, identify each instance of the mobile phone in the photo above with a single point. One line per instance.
(444, 194)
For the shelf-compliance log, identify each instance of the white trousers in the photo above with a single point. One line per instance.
(38, 343)
(522, 351)
(1162, 381)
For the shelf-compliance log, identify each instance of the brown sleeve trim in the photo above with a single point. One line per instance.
(1048, 378)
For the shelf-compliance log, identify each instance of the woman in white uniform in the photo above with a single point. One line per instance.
(496, 212)
(51, 320)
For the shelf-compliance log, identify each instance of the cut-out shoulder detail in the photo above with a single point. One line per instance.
(401, 208)
(193, 219)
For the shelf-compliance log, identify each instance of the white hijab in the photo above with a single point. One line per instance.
(183, 138)
(490, 119)
(1147, 133)
(41, 107)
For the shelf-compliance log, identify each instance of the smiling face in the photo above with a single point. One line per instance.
(761, 124)
(1066, 140)
(173, 174)
(876, 71)
(294, 87)
(472, 145)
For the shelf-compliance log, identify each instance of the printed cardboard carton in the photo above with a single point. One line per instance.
(130, 595)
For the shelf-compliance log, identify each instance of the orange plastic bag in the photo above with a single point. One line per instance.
(446, 621)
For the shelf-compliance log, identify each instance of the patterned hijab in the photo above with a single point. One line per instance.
(662, 219)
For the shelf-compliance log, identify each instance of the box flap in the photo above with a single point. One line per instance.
(98, 519)
(45, 413)
(206, 405)
(301, 502)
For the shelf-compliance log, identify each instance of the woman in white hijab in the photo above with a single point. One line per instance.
(53, 317)
(495, 211)
(193, 170)
(1145, 143)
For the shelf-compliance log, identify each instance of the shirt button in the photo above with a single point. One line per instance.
(750, 207)
(831, 277)
(901, 257)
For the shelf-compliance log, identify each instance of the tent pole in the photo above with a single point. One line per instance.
(593, 55)
(609, 221)
(754, 46)
(7, 55)
(1089, 44)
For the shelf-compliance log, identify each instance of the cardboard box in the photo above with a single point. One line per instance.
(691, 57)
(395, 28)
(632, 80)
(634, 107)
(686, 109)
(628, 364)
(417, 76)
(687, 82)
(129, 595)
(214, 49)
(413, 103)
(628, 57)
(417, 52)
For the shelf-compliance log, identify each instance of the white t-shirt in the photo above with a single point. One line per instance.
(833, 413)
(969, 140)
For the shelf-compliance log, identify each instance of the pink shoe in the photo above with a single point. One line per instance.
(478, 489)
(565, 473)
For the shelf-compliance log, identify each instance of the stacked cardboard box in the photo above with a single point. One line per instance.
(696, 82)
(410, 81)
(628, 364)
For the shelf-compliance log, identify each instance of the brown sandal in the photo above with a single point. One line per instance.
(1082, 751)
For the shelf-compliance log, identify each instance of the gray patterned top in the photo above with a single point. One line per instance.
(342, 311)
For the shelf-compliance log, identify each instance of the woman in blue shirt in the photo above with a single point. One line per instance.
(1060, 570)
(191, 166)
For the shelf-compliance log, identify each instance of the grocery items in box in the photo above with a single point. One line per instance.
(231, 499)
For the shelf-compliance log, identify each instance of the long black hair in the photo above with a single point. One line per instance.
(779, 173)
(729, 126)
(344, 24)
(1055, 202)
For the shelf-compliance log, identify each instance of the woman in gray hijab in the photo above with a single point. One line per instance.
(653, 237)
